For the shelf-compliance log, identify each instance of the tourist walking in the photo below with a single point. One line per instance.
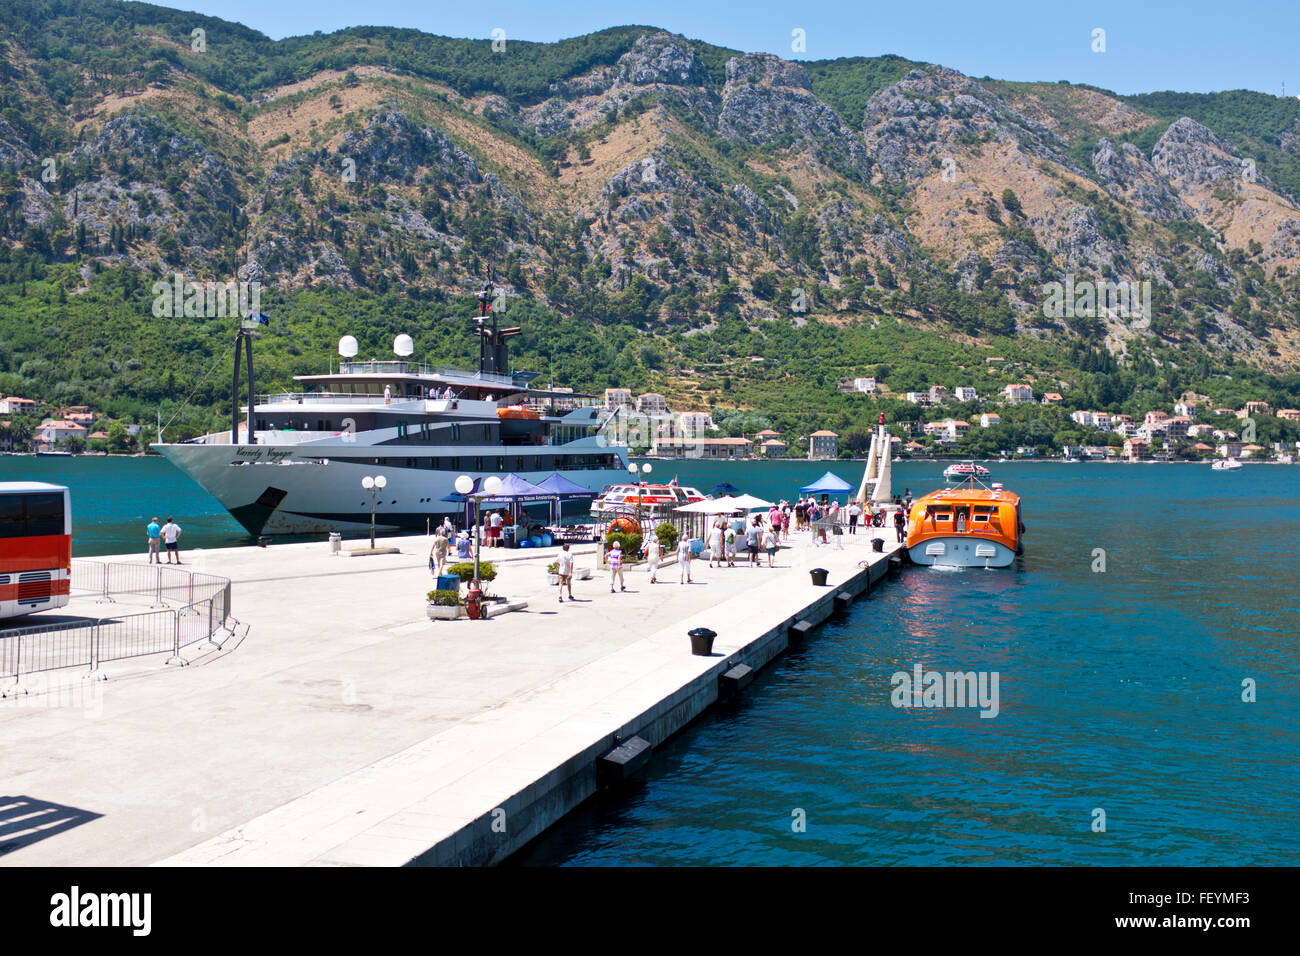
(800, 514)
(907, 498)
(447, 527)
(683, 560)
(729, 546)
(438, 553)
(900, 526)
(154, 532)
(855, 512)
(564, 569)
(615, 560)
(715, 546)
(171, 532)
(769, 544)
(752, 540)
(653, 555)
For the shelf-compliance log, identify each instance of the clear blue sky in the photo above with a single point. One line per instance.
(1194, 46)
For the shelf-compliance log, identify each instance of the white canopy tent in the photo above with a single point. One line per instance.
(712, 506)
(749, 503)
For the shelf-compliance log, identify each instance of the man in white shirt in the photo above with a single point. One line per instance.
(496, 522)
(565, 569)
(171, 531)
(715, 545)
(683, 560)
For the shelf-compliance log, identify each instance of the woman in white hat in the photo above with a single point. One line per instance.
(615, 559)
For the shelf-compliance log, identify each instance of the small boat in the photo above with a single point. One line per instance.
(1226, 464)
(967, 527)
(653, 500)
(964, 470)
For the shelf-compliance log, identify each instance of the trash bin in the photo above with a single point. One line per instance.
(878, 544)
(336, 542)
(508, 537)
(448, 582)
(819, 577)
(701, 641)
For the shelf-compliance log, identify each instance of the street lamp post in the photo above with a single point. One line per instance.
(374, 486)
(632, 470)
(464, 485)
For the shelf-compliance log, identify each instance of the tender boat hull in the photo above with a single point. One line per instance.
(962, 551)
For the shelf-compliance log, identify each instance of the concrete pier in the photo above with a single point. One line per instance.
(346, 728)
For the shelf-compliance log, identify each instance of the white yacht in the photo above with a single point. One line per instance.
(295, 465)
(1226, 464)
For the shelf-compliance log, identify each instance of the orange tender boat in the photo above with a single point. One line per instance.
(518, 411)
(966, 527)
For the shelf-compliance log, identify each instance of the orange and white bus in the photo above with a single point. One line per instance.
(35, 547)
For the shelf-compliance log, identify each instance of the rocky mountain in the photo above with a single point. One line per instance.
(639, 178)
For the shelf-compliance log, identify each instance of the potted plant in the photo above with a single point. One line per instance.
(487, 571)
(553, 572)
(444, 605)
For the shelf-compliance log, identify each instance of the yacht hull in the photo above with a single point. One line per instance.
(282, 491)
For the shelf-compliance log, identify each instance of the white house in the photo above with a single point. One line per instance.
(651, 403)
(964, 393)
(616, 397)
(1018, 394)
(867, 385)
(948, 430)
(989, 419)
(52, 432)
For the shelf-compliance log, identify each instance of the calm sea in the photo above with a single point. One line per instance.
(1120, 690)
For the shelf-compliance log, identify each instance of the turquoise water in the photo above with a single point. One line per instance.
(1120, 690)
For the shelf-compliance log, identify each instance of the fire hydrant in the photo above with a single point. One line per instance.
(474, 601)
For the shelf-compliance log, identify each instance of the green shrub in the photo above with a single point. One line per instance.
(487, 571)
(667, 534)
(630, 543)
(553, 567)
(444, 598)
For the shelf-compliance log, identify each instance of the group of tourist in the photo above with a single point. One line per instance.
(755, 535)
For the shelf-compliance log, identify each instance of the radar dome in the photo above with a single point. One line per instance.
(348, 346)
(403, 346)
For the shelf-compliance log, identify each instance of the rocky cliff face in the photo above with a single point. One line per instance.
(648, 181)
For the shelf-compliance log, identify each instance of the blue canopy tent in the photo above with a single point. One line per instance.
(564, 490)
(827, 484)
(517, 491)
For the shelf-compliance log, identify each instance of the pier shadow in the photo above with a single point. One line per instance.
(26, 820)
(44, 619)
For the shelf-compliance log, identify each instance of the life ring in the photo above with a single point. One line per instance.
(624, 525)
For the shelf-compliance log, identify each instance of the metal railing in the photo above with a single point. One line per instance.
(186, 609)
